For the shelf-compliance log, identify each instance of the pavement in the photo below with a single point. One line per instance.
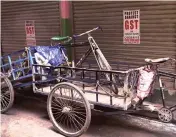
(28, 118)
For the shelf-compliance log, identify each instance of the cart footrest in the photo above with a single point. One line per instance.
(23, 79)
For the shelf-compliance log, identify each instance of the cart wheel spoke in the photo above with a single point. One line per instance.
(75, 124)
(5, 101)
(55, 113)
(56, 108)
(56, 104)
(78, 108)
(79, 118)
(3, 104)
(76, 120)
(58, 116)
(80, 113)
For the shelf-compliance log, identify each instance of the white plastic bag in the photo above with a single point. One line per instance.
(41, 60)
(146, 78)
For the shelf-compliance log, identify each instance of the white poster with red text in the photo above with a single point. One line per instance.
(131, 26)
(30, 33)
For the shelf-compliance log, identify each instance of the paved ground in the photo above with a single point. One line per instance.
(28, 118)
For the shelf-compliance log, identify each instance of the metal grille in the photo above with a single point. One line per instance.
(14, 14)
(157, 26)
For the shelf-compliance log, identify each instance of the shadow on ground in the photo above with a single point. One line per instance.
(101, 125)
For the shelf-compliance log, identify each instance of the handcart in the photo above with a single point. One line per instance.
(73, 91)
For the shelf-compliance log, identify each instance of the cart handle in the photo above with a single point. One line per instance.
(87, 32)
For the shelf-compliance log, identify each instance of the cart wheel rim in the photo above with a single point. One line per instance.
(165, 115)
(7, 94)
(68, 109)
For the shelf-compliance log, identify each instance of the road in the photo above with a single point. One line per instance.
(28, 118)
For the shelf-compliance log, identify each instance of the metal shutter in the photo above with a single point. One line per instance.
(157, 26)
(14, 14)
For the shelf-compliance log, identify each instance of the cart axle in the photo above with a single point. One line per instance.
(66, 109)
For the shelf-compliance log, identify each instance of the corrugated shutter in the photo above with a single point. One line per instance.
(14, 14)
(158, 33)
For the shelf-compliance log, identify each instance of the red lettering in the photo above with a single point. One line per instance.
(131, 24)
(30, 30)
(126, 25)
(136, 24)
(27, 31)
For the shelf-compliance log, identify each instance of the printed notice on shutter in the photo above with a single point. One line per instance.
(30, 33)
(131, 26)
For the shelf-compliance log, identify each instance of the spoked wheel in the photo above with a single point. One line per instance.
(165, 115)
(68, 109)
(7, 93)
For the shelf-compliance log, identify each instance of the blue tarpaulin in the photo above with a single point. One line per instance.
(52, 54)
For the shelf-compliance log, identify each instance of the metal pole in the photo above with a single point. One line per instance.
(66, 27)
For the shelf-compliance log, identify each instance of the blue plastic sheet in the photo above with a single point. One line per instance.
(52, 54)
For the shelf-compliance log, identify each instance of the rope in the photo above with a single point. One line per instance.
(24, 62)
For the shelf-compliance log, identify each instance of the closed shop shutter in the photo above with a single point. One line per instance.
(14, 14)
(157, 27)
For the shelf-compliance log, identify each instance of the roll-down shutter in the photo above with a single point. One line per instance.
(157, 26)
(13, 16)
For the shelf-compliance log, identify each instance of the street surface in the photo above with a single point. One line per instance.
(28, 118)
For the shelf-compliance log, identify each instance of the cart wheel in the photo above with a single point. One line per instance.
(165, 115)
(7, 93)
(68, 109)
